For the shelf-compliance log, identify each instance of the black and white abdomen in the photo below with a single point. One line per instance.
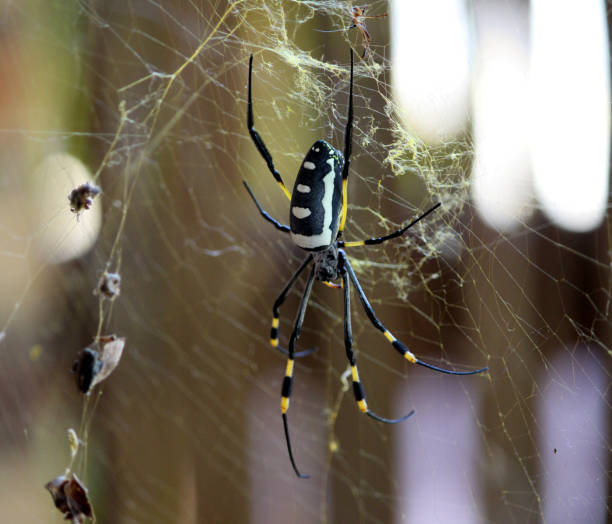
(316, 201)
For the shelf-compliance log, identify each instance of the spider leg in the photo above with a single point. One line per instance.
(348, 145)
(297, 354)
(281, 298)
(401, 348)
(374, 16)
(366, 38)
(276, 313)
(257, 140)
(288, 380)
(395, 234)
(276, 223)
(358, 390)
(335, 30)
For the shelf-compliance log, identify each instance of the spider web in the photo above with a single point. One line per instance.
(150, 97)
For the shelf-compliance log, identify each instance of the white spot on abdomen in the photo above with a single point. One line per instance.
(302, 188)
(309, 165)
(300, 212)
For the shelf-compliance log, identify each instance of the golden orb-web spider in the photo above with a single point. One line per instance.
(318, 214)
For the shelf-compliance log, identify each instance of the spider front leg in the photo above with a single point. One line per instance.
(257, 140)
(395, 234)
(276, 312)
(348, 146)
(401, 348)
(288, 380)
(358, 390)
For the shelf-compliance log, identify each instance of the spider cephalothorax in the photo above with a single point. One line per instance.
(317, 217)
(326, 266)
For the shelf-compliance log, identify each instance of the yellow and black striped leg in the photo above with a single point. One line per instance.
(348, 146)
(276, 313)
(395, 234)
(288, 380)
(264, 213)
(348, 344)
(401, 348)
(259, 143)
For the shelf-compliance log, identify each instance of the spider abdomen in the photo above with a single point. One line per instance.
(316, 201)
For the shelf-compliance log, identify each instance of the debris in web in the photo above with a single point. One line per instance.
(74, 442)
(70, 497)
(93, 366)
(81, 198)
(109, 285)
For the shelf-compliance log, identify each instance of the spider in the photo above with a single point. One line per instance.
(318, 215)
(358, 18)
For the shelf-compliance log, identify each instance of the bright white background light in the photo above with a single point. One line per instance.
(501, 181)
(430, 57)
(540, 101)
(570, 110)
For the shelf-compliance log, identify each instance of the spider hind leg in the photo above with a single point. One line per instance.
(274, 335)
(297, 354)
(288, 380)
(358, 390)
(399, 346)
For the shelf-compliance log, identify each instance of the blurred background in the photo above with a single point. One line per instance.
(500, 110)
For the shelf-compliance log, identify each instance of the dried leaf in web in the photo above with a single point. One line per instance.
(111, 354)
(94, 366)
(70, 497)
(86, 368)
